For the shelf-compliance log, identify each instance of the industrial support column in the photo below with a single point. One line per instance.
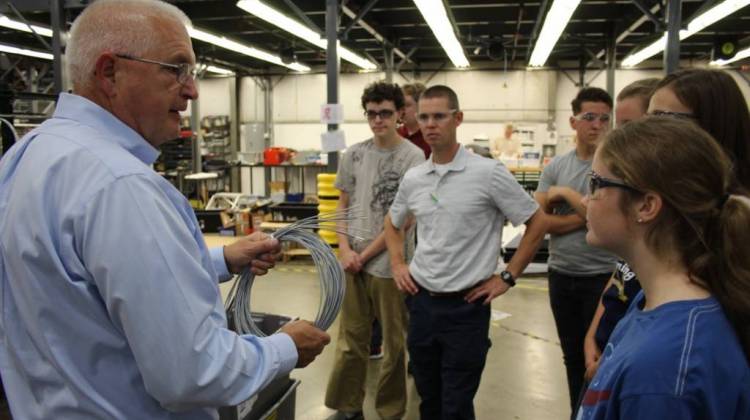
(234, 131)
(56, 17)
(268, 133)
(332, 70)
(196, 128)
(388, 54)
(672, 49)
(611, 62)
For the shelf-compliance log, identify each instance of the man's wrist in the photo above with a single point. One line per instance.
(507, 277)
(226, 261)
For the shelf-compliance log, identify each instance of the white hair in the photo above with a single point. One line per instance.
(116, 26)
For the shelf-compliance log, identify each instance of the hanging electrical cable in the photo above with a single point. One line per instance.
(329, 269)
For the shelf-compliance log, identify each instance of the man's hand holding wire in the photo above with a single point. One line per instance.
(258, 250)
(309, 340)
(403, 279)
(489, 289)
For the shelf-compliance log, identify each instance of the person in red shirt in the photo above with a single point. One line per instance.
(410, 127)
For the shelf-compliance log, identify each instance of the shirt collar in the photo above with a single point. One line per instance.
(86, 112)
(457, 164)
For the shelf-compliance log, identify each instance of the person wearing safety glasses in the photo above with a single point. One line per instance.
(577, 271)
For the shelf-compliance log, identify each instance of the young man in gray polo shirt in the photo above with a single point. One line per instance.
(368, 178)
(577, 271)
(460, 202)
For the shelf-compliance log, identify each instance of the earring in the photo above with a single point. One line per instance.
(640, 220)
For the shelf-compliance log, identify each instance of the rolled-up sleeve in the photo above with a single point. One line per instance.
(154, 280)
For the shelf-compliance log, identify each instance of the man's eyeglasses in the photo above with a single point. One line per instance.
(684, 115)
(383, 114)
(183, 71)
(438, 117)
(596, 181)
(591, 117)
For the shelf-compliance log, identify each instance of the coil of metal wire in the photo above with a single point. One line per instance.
(330, 273)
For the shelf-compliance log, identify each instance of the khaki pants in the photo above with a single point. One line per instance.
(368, 297)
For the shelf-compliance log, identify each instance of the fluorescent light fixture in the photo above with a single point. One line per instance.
(435, 15)
(739, 56)
(194, 32)
(218, 70)
(7, 22)
(274, 17)
(557, 19)
(23, 51)
(711, 16)
(228, 44)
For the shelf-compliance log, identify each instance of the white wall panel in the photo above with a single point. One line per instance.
(285, 98)
(213, 97)
(303, 136)
(251, 101)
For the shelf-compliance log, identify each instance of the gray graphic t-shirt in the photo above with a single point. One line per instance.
(371, 176)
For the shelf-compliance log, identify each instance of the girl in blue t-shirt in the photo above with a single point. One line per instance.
(660, 197)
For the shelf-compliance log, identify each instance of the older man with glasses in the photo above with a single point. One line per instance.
(578, 272)
(111, 305)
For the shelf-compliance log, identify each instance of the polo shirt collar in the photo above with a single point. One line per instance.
(457, 164)
(80, 109)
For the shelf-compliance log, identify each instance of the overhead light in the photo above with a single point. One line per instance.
(194, 32)
(739, 56)
(218, 70)
(711, 16)
(23, 51)
(228, 44)
(435, 15)
(557, 19)
(7, 22)
(274, 17)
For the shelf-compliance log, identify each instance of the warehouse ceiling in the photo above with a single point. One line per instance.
(493, 33)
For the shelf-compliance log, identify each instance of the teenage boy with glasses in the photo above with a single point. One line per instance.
(577, 271)
(368, 178)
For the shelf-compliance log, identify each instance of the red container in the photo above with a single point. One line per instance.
(275, 155)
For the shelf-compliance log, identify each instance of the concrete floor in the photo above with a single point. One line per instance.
(524, 377)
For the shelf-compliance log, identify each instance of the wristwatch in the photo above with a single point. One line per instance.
(508, 278)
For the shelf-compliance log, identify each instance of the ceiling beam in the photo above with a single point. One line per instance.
(361, 14)
(300, 14)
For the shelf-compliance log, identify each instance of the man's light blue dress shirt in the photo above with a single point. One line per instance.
(109, 298)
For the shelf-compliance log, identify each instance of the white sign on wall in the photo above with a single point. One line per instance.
(332, 141)
(331, 114)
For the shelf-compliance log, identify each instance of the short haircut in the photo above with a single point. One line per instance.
(442, 91)
(380, 91)
(590, 94)
(641, 90)
(115, 26)
(414, 90)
